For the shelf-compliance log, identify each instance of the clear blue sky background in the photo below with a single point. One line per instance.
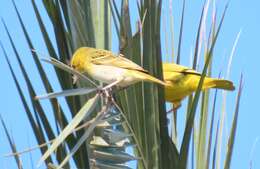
(241, 15)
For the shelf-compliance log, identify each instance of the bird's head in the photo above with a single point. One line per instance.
(80, 58)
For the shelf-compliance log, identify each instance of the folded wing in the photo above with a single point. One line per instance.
(175, 72)
(109, 59)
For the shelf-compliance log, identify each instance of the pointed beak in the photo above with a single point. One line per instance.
(75, 79)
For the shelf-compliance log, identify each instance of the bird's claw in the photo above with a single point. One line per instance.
(106, 93)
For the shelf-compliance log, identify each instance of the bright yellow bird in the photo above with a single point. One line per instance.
(109, 68)
(183, 81)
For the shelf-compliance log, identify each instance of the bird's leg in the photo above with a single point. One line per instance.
(175, 108)
(109, 95)
(108, 90)
(105, 93)
(113, 83)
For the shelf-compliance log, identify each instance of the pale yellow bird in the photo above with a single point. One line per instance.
(183, 81)
(109, 68)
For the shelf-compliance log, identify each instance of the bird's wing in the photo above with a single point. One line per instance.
(110, 59)
(173, 76)
(175, 72)
(172, 67)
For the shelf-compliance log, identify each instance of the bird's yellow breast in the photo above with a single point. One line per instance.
(178, 90)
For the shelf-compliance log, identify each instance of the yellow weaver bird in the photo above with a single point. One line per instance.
(183, 81)
(109, 68)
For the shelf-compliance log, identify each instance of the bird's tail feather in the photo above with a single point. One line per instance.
(218, 83)
(155, 80)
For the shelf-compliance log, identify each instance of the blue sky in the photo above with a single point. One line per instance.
(241, 15)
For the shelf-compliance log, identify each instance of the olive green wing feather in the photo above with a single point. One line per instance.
(110, 59)
(174, 72)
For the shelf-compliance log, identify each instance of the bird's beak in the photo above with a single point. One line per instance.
(75, 78)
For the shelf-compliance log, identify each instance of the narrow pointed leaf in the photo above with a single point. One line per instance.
(114, 136)
(86, 134)
(11, 143)
(31, 90)
(210, 137)
(115, 157)
(84, 111)
(215, 148)
(66, 93)
(45, 35)
(231, 139)
(190, 121)
(180, 34)
(106, 165)
(36, 59)
(39, 135)
(100, 143)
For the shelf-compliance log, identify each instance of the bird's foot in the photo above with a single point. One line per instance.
(106, 93)
(174, 109)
